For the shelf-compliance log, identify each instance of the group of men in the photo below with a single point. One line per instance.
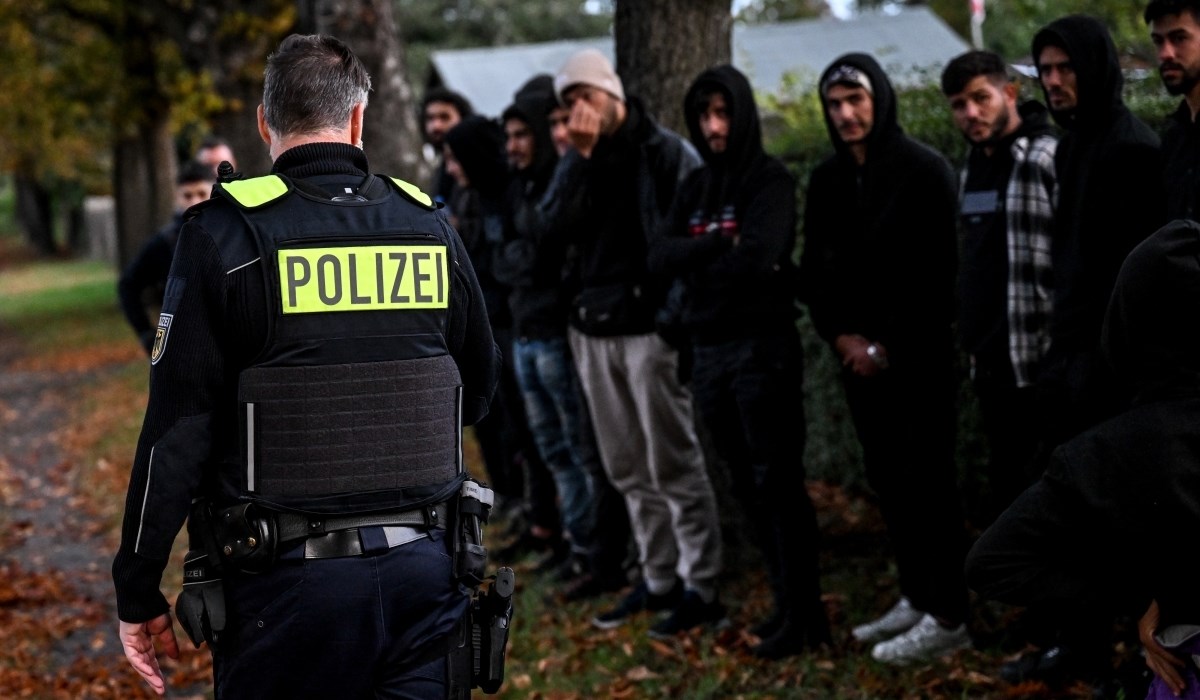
(1044, 225)
(630, 276)
(1020, 252)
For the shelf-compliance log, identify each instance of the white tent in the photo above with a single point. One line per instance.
(911, 44)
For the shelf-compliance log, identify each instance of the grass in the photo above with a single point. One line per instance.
(61, 305)
(63, 315)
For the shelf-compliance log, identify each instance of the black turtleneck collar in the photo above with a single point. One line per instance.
(311, 159)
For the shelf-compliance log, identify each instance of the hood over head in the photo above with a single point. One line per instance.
(1151, 333)
(745, 132)
(532, 103)
(883, 97)
(1098, 79)
(478, 144)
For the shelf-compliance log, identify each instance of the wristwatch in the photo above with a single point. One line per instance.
(877, 356)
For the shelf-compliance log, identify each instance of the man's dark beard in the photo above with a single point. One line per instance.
(998, 131)
(1187, 81)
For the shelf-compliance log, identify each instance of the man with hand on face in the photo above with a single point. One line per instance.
(1006, 214)
(730, 241)
(611, 193)
(539, 299)
(604, 569)
(878, 276)
(1175, 30)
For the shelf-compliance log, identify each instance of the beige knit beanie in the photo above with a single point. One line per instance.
(588, 67)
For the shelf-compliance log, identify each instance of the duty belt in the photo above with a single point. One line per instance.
(340, 536)
(293, 526)
(355, 541)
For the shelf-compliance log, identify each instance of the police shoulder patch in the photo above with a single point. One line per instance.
(413, 193)
(161, 334)
(255, 192)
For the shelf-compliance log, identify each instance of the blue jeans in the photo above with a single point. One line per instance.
(546, 375)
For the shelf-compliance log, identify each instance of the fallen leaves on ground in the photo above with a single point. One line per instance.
(53, 648)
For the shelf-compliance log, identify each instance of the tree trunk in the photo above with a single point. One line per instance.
(662, 45)
(33, 213)
(234, 55)
(143, 184)
(144, 161)
(391, 134)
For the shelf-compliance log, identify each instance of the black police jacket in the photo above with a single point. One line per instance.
(219, 324)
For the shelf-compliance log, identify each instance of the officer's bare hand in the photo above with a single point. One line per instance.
(583, 127)
(138, 640)
(1164, 664)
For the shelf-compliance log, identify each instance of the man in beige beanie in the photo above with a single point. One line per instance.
(611, 191)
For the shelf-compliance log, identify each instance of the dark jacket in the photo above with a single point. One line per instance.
(529, 262)
(478, 144)
(733, 226)
(1181, 151)
(1110, 198)
(608, 206)
(1109, 522)
(880, 245)
(146, 276)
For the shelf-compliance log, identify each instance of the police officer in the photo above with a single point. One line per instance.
(322, 334)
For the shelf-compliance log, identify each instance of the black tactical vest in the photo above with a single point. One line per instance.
(353, 404)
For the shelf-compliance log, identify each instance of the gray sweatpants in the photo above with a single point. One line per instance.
(644, 429)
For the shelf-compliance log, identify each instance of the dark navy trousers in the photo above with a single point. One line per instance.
(349, 627)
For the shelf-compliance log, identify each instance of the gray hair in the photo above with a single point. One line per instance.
(311, 84)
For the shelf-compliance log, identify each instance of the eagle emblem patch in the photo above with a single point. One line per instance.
(160, 337)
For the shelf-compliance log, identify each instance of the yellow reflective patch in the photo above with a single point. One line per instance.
(413, 191)
(364, 278)
(256, 191)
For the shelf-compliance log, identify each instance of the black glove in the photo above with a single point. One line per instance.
(201, 606)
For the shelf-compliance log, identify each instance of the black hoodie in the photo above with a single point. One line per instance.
(1110, 198)
(608, 206)
(1110, 521)
(732, 289)
(531, 262)
(478, 144)
(880, 244)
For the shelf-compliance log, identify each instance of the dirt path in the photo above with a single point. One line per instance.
(57, 610)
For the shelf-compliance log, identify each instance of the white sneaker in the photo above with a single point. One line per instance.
(926, 640)
(900, 618)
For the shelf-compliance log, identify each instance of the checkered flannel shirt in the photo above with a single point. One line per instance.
(1030, 203)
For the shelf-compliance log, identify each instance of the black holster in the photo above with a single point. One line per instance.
(476, 658)
(470, 514)
(246, 537)
(491, 617)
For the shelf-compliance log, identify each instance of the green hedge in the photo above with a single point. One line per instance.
(795, 129)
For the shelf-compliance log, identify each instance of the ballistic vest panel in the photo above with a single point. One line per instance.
(350, 428)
